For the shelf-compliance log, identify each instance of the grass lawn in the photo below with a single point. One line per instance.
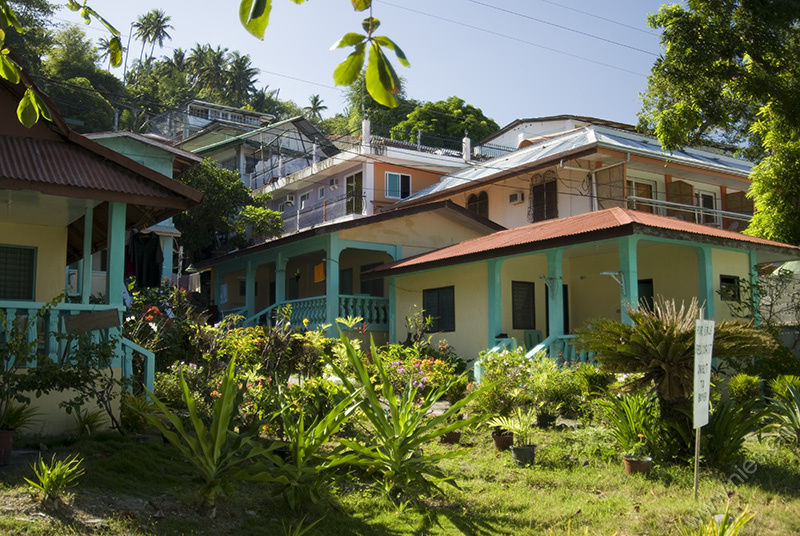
(140, 486)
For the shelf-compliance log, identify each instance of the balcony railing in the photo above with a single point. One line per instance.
(47, 330)
(702, 215)
(324, 211)
(374, 311)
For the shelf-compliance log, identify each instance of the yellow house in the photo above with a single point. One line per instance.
(63, 198)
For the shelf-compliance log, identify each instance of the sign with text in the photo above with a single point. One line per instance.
(703, 345)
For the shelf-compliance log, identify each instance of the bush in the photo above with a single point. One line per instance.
(506, 375)
(744, 388)
(634, 420)
(552, 389)
(724, 435)
(405, 366)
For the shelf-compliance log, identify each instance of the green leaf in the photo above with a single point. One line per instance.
(8, 69)
(254, 15)
(388, 43)
(41, 107)
(349, 40)
(7, 16)
(115, 46)
(347, 72)
(103, 21)
(26, 111)
(370, 24)
(361, 5)
(382, 82)
(73, 5)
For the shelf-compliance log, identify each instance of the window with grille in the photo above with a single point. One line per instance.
(17, 272)
(544, 201)
(522, 305)
(729, 287)
(479, 204)
(440, 305)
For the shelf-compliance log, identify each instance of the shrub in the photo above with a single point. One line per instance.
(634, 419)
(313, 398)
(728, 425)
(551, 389)
(784, 411)
(53, 479)
(744, 388)
(506, 375)
(405, 366)
(780, 385)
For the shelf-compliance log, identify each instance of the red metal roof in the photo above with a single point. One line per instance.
(540, 236)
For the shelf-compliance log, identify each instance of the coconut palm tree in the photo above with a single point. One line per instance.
(159, 26)
(315, 108)
(241, 79)
(143, 30)
(104, 48)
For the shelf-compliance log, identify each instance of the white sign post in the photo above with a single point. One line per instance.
(703, 346)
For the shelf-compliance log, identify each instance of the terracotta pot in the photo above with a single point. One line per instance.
(452, 438)
(524, 454)
(6, 444)
(637, 464)
(503, 441)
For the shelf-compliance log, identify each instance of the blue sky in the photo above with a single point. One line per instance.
(512, 59)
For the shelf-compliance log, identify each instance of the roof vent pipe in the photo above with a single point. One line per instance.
(365, 135)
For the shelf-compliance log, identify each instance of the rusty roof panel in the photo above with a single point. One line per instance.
(45, 162)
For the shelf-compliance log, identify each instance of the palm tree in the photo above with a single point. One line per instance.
(240, 84)
(315, 108)
(208, 67)
(143, 30)
(104, 47)
(159, 26)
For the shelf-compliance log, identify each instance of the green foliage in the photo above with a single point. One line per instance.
(35, 16)
(53, 479)
(452, 118)
(506, 375)
(220, 212)
(314, 398)
(552, 389)
(727, 73)
(728, 425)
(780, 386)
(660, 345)
(89, 422)
(400, 431)
(634, 419)
(521, 423)
(216, 451)
(727, 526)
(744, 388)
(133, 408)
(783, 412)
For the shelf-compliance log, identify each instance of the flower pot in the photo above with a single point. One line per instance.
(524, 454)
(637, 464)
(6, 444)
(545, 420)
(503, 441)
(451, 437)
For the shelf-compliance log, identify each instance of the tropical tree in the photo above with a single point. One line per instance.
(152, 28)
(315, 108)
(241, 79)
(106, 51)
(36, 17)
(452, 117)
(729, 72)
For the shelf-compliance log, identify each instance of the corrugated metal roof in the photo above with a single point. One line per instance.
(57, 164)
(574, 226)
(550, 148)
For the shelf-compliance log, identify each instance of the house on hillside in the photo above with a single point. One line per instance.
(195, 115)
(64, 198)
(333, 231)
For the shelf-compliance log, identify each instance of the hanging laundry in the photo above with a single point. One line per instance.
(146, 257)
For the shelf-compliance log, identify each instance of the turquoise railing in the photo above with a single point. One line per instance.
(559, 347)
(374, 311)
(48, 328)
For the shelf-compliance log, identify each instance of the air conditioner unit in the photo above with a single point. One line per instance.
(333, 184)
(516, 198)
(290, 199)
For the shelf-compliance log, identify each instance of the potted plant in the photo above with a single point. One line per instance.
(637, 459)
(519, 425)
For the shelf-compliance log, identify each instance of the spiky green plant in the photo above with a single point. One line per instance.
(784, 412)
(727, 526)
(52, 479)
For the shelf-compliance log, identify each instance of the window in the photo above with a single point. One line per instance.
(729, 287)
(373, 287)
(17, 272)
(705, 200)
(243, 288)
(479, 204)
(398, 186)
(321, 192)
(304, 200)
(281, 207)
(522, 305)
(544, 198)
(439, 304)
(641, 190)
(354, 202)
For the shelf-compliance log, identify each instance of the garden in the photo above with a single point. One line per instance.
(283, 430)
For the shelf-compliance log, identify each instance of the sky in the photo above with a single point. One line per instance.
(512, 59)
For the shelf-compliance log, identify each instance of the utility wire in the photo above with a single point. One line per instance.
(612, 21)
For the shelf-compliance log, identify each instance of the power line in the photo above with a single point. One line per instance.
(562, 27)
(517, 39)
(612, 21)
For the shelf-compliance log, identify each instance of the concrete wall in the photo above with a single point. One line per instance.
(51, 254)
(530, 268)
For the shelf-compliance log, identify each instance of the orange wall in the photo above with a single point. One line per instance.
(419, 180)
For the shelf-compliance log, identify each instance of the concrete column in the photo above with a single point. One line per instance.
(555, 293)
(705, 277)
(250, 289)
(753, 262)
(280, 279)
(86, 264)
(332, 284)
(167, 244)
(495, 299)
(629, 274)
(115, 276)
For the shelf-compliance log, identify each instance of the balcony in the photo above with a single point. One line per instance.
(720, 219)
(330, 209)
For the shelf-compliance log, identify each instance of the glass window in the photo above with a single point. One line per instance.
(354, 201)
(439, 304)
(522, 305)
(729, 287)
(304, 200)
(17, 272)
(398, 186)
(640, 190)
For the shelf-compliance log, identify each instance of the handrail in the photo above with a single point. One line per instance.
(149, 362)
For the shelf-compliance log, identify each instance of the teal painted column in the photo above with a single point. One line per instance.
(115, 276)
(167, 244)
(392, 312)
(753, 262)
(555, 293)
(705, 279)
(86, 264)
(629, 271)
(332, 283)
(495, 295)
(250, 289)
(280, 279)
